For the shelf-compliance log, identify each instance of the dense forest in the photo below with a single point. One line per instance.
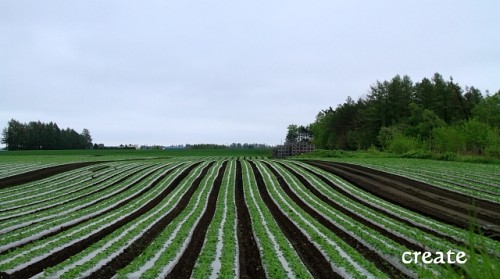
(38, 136)
(433, 115)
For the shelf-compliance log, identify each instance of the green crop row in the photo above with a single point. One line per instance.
(41, 208)
(418, 220)
(61, 193)
(217, 257)
(107, 248)
(10, 169)
(72, 211)
(346, 258)
(379, 243)
(41, 247)
(433, 242)
(278, 256)
(167, 247)
(40, 185)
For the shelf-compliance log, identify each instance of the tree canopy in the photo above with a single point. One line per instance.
(38, 136)
(421, 115)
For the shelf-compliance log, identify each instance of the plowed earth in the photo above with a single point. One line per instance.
(40, 174)
(441, 204)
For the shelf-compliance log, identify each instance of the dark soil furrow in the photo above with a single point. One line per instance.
(190, 255)
(354, 216)
(250, 263)
(41, 173)
(429, 175)
(87, 194)
(368, 253)
(440, 204)
(139, 245)
(115, 206)
(75, 248)
(382, 211)
(452, 199)
(315, 262)
(47, 199)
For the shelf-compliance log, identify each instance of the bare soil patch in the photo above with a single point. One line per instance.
(67, 252)
(438, 203)
(369, 254)
(250, 263)
(41, 173)
(138, 246)
(315, 262)
(188, 259)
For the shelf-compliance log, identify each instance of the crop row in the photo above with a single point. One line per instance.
(19, 168)
(183, 217)
(412, 225)
(477, 181)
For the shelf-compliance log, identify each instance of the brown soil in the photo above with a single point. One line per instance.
(40, 174)
(67, 252)
(379, 210)
(139, 245)
(368, 253)
(356, 217)
(441, 204)
(315, 262)
(88, 194)
(190, 255)
(121, 203)
(250, 263)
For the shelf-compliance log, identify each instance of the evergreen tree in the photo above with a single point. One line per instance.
(400, 115)
(38, 135)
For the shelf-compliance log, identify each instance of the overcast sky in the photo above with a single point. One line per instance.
(176, 72)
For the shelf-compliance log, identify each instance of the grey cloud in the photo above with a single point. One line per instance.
(170, 72)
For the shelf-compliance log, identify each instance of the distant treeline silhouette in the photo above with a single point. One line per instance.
(43, 136)
(398, 115)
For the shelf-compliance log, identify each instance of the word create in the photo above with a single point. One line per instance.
(438, 257)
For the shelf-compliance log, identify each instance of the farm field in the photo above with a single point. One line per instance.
(245, 216)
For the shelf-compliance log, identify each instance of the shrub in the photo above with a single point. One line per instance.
(418, 154)
(447, 139)
(475, 134)
(448, 156)
(401, 144)
(493, 148)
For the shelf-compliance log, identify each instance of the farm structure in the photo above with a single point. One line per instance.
(291, 149)
(227, 217)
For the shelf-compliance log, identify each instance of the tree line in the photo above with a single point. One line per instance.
(398, 115)
(231, 146)
(43, 136)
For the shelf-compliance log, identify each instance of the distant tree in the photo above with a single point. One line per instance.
(476, 135)
(443, 98)
(86, 138)
(397, 114)
(473, 97)
(493, 148)
(488, 110)
(14, 135)
(458, 104)
(292, 133)
(323, 130)
(386, 135)
(422, 122)
(38, 135)
(447, 139)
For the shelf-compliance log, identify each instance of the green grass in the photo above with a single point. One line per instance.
(66, 156)
(413, 154)
(480, 265)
